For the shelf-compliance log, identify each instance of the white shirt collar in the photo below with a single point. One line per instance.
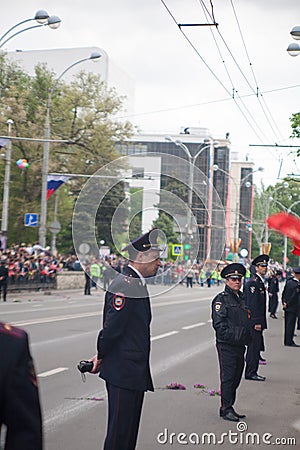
(138, 273)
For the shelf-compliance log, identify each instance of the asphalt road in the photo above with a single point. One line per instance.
(63, 328)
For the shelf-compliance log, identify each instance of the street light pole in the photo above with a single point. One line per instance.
(269, 200)
(43, 219)
(288, 210)
(237, 202)
(4, 222)
(192, 162)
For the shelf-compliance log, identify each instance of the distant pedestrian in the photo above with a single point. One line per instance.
(3, 279)
(290, 302)
(88, 281)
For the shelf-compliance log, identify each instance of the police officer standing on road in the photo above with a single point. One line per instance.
(290, 301)
(3, 279)
(20, 408)
(123, 347)
(255, 297)
(231, 322)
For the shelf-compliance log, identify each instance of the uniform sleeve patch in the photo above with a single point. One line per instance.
(218, 306)
(118, 301)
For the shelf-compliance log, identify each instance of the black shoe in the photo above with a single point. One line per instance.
(230, 416)
(293, 344)
(239, 416)
(261, 358)
(256, 378)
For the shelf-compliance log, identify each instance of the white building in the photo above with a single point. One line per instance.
(57, 60)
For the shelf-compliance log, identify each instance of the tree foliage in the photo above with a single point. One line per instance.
(82, 112)
(269, 201)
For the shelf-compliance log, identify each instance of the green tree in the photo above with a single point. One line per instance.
(271, 200)
(82, 112)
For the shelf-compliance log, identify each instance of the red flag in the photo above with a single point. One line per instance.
(288, 225)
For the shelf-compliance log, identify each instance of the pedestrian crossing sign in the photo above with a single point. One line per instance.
(31, 220)
(177, 250)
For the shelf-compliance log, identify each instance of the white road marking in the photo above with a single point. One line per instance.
(189, 327)
(209, 321)
(161, 336)
(52, 372)
(55, 319)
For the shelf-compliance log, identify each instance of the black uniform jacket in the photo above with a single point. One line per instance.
(291, 295)
(231, 318)
(273, 285)
(3, 274)
(19, 399)
(255, 297)
(124, 342)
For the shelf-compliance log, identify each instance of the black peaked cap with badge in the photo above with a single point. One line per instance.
(233, 270)
(261, 260)
(296, 270)
(144, 243)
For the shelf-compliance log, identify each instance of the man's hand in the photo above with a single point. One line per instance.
(257, 327)
(284, 305)
(96, 364)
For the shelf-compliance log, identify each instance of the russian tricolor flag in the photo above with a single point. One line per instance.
(54, 182)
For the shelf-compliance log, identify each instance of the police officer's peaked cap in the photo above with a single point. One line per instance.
(146, 242)
(296, 270)
(233, 270)
(261, 260)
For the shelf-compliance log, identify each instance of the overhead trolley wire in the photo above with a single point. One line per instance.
(211, 71)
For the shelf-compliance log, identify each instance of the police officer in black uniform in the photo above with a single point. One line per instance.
(255, 297)
(123, 347)
(273, 289)
(290, 300)
(231, 321)
(20, 408)
(3, 279)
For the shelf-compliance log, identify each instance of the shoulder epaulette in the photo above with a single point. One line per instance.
(10, 330)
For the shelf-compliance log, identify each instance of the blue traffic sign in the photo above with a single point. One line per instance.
(31, 220)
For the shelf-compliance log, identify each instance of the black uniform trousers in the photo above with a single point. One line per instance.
(273, 303)
(255, 346)
(124, 412)
(289, 327)
(3, 290)
(231, 362)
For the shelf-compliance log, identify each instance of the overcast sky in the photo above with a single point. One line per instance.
(174, 87)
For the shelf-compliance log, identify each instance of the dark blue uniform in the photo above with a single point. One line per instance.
(231, 321)
(124, 347)
(273, 289)
(290, 296)
(19, 400)
(255, 297)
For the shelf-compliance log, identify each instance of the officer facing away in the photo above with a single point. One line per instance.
(20, 408)
(291, 301)
(123, 346)
(231, 321)
(255, 297)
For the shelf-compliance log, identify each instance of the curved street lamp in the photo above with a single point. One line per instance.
(192, 160)
(288, 210)
(94, 56)
(237, 202)
(294, 48)
(41, 17)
